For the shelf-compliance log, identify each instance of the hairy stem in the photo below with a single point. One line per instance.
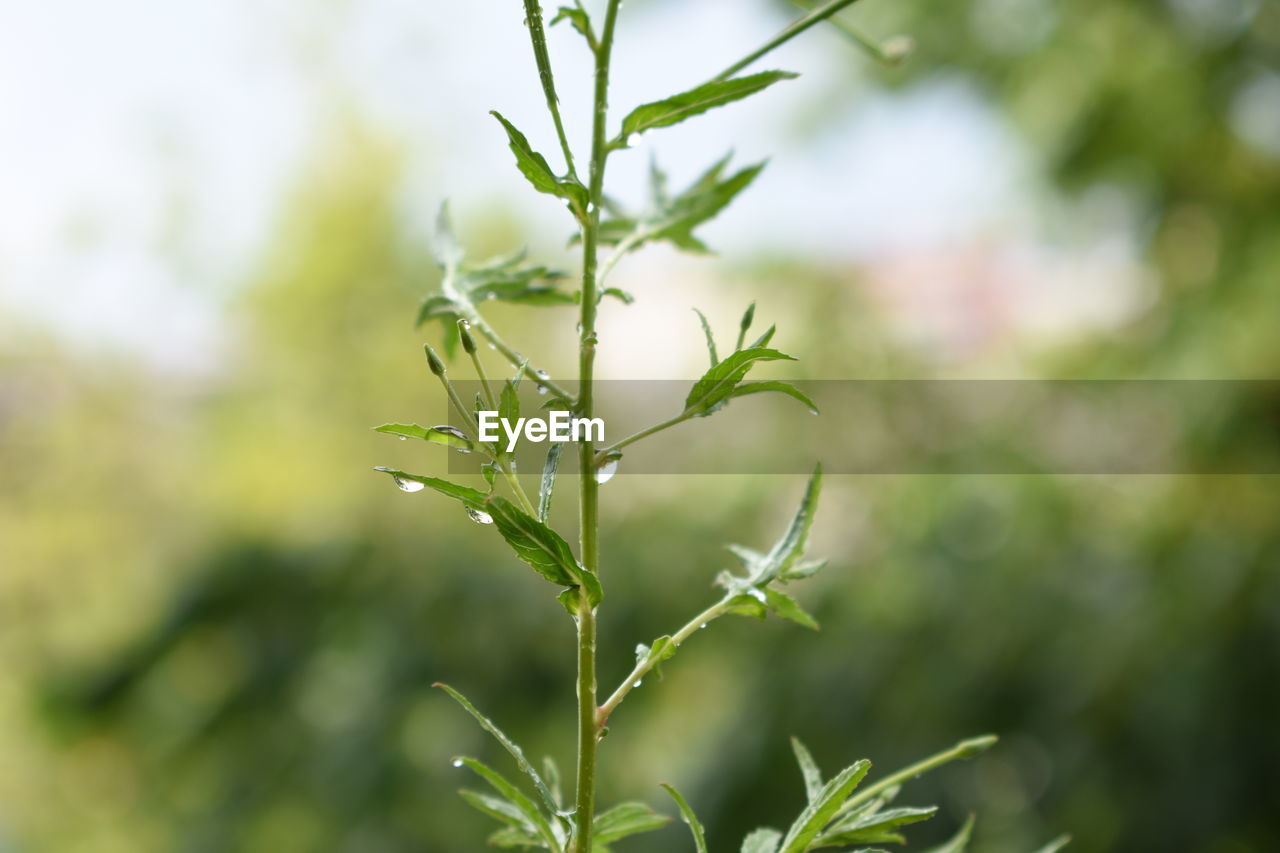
(643, 667)
(589, 497)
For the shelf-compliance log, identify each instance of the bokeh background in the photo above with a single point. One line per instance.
(218, 627)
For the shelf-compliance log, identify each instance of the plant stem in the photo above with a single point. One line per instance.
(642, 667)
(645, 433)
(533, 20)
(481, 325)
(788, 32)
(589, 496)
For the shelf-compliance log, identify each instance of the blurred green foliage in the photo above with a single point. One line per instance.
(220, 627)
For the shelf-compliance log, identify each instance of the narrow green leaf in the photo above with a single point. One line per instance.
(621, 295)
(436, 306)
(490, 472)
(696, 101)
(824, 807)
(787, 388)
(745, 324)
(763, 840)
(687, 815)
(788, 608)
(715, 386)
(711, 340)
(957, 842)
(626, 819)
(535, 543)
(578, 19)
(466, 494)
(437, 435)
(535, 168)
(808, 769)
(548, 486)
(510, 837)
(552, 773)
(788, 549)
(517, 798)
(1056, 844)
(509, 402)
(503, 811)
(507, 743)
(873, 827)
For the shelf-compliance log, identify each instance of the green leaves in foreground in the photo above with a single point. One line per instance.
(834, 816)
(696, 101)
(536, 169)
(674, 218)
(526, 823)
(532, 540)
(752, 593)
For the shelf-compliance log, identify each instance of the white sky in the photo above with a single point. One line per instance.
(134, 128)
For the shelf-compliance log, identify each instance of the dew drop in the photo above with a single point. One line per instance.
(542, 374)
(756, 594)
(493, 346)
(479, 516)
(408, 485)
(638, 683)
(457, 762)
(605, 472)
(456, 433)
(703, 625)
(542, 390)
(464, 324)
(402, 438)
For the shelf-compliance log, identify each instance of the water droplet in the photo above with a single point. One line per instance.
(408, 485)
(638, 683)
(542, 374)
(756, 594)
(493, 346)
(457, 762)
(703, 625)
(542, 390)
(479, 516)
(456, 433)
(465, 324)
(402, 438)
(605, 472)
(491, 295)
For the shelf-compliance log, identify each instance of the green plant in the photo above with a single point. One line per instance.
(836, 813)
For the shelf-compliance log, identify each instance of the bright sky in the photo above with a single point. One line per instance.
(144, 145)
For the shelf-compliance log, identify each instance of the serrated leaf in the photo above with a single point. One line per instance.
(715, 386)
(548, 486)
(541, 547)
(808, 769)
(873, 827)
(761, 387)
(958, 842)
(696, 101)
(788, 608)
(513, 795)
(624, 820)
(535, 168)
(789, 548)
(687, 815)
(818, 813)
(469, 496)
(711, 340)
(507, 743)
(435, 435)
(763, 840)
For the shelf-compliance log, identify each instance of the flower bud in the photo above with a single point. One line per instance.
(464, 331)
(433, 360)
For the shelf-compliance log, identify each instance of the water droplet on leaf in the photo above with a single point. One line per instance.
(457, 762)
(408, 485)
(542, 390)
(757, 595)
(479, 516)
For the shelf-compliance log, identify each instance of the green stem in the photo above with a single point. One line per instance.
(533, 19)
(518, 490)
(790, 31)
(642, 667)
(644, 433)
(482, 326)
(589, 496)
